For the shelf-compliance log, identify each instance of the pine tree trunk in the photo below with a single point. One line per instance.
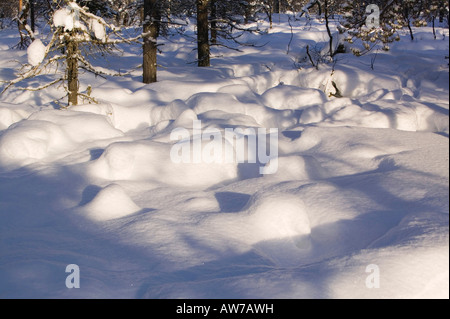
(151, 29)
(269, 12)
(32, 16)
(203, 33)
(21, 23)
(327, 22)
(72, 71)
(247, 12)
(271, 17)
(213, 21)
(277, 6)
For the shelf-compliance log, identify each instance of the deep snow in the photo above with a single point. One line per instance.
(362, 180)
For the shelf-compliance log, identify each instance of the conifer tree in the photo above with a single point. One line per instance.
(77, 34)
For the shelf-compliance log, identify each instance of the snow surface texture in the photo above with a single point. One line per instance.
(362, 181)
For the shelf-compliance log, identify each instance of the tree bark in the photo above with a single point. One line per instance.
(270, 14)
(21, 23)
(204, 59)
(327, 22)
(277, 6)
(72, 70)
(152, 18)
(214, 21)
(32, 16)
(247, 12)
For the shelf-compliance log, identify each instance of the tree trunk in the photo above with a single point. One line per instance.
(277, 7)
(327, 22)
(442, 12)
(151, 30)
(32, 16)
(247, 12)
(270, 14)
(411, 33)
(213, 21)
(434, 27)
(203, 33)
(72, 70)
(22, 22)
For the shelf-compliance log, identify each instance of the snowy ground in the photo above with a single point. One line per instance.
(362, 187)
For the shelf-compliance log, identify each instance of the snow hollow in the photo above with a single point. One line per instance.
(358, 206)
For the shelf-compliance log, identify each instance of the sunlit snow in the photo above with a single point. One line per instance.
(362, 180)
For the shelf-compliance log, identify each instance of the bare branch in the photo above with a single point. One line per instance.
(43, 86)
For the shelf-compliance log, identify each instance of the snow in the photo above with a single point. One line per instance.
(13, 113)
(36, 52)
(68, 18)
(50, 134)
(292, 97)
(361, 182)
(28, 141)
(112, 202)
(99, 29)
(142, 161)
(64, 18)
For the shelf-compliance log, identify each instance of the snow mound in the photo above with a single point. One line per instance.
(81, 127)
(167, 112)
(29, 141)
(47, 135)
(224, 102)
(151, 161)
(292, 97)
(168, 91)
(112, 202)
(185, 119)
(105, 109)
(128, 118)
(242, 92)
(278, 216)
(10, 114)
(379, 111)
